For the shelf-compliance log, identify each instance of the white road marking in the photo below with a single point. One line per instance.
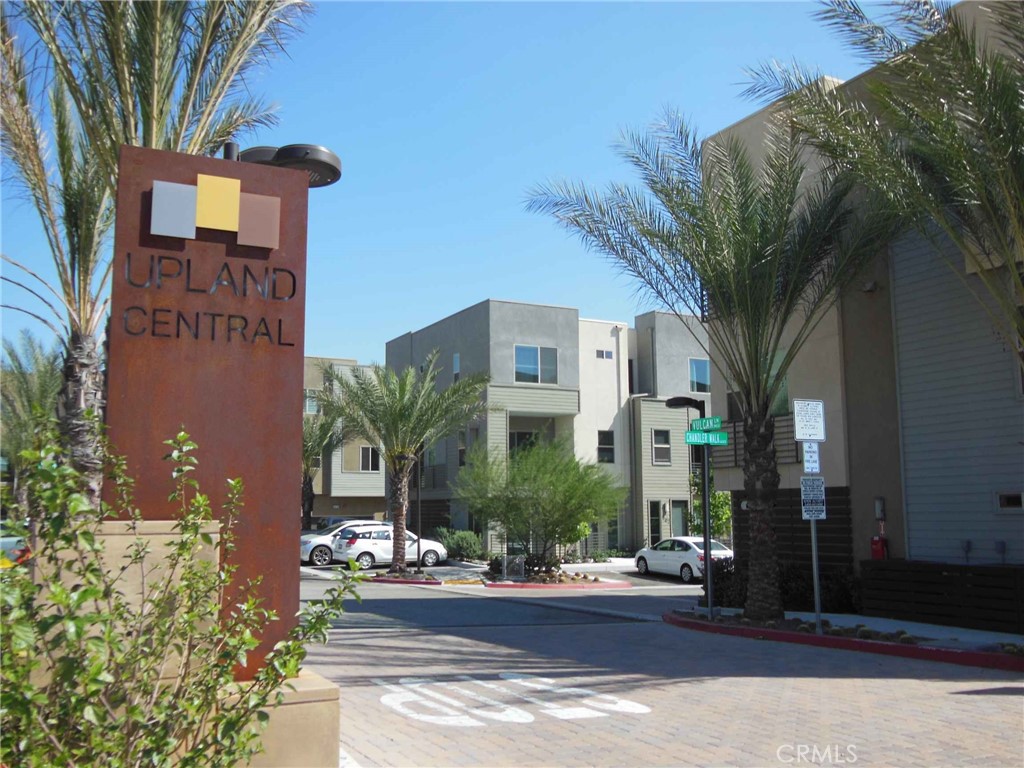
(459, 704)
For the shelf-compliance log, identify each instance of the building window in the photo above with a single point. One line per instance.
(605, 447)
(369, 459)
(517, 440)
(536, 365)
(654, 515)
(462, 448)
(700, 375)
(1014, 501)
(662, 448)
(310, 405)
(455, 367)
(604, 354)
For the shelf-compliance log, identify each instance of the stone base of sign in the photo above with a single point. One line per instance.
(305, 728)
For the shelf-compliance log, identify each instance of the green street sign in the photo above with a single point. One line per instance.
(712, 422)
(707, 438)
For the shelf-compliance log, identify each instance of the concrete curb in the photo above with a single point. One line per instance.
(590, 585)
(1002, 661)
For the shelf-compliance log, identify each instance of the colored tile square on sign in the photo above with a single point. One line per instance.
(217, 202)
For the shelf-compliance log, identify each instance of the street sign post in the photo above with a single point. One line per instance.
(812, 505)
(707, 438)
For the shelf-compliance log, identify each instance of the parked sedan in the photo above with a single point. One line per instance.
(320, 548)
(373, 545)
(682, 555)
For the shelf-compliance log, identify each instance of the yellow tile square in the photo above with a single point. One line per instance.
(217, 201)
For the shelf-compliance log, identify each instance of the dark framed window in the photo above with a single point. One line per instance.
(605, 447)
(310, 405)
(654, 517)
(455, 367)
(661, 446)
(517, 440)
(369, 459)
(700, 375)
(536, 365)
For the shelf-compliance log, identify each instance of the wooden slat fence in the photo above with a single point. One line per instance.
(961, 595)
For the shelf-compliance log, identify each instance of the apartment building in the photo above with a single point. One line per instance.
(554, 375)
(351, 479)
(924, 421)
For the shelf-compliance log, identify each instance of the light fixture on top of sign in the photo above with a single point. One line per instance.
(322, 165)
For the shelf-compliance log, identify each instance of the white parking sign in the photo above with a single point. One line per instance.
(809, 420)
(812, 498)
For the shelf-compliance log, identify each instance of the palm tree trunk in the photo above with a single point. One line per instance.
(80, 410)
(761, 483)
(399, 505)
(307, 502)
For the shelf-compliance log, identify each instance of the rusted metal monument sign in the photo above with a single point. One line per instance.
(206, 334)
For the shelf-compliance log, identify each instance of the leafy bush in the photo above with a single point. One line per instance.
(461, 545)
(132, 662)
(840, 589)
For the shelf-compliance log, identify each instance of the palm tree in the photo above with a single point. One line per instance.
(85, 78)
(320, 435)
(30, 379)
(401, 413)
(937, 127)
(760, 250)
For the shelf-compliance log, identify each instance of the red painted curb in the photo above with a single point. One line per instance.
(592, 585)
(1002, 661)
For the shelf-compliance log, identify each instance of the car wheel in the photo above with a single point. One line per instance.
(365, 560)
(430, 558)
(321, 556)
(641, 566)
(686, 574)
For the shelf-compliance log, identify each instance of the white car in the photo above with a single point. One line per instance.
(320, 548)
(682, 555)
(373, 545)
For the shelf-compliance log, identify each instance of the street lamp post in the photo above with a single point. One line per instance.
(419, 511)
(705, 471)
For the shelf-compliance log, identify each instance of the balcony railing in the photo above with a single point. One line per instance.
(731, 455)
(435, 476)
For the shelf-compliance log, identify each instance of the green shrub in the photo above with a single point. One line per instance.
(81, 661)
(840, 589)
(461, 545)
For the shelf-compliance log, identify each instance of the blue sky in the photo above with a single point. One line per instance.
(445, 115)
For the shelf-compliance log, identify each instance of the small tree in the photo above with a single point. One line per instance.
(401, 413)
(130, 662)
(541, 497)
(721, 510)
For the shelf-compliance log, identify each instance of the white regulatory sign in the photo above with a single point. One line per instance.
(809, 420)
(812, 498)
(812, 464)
